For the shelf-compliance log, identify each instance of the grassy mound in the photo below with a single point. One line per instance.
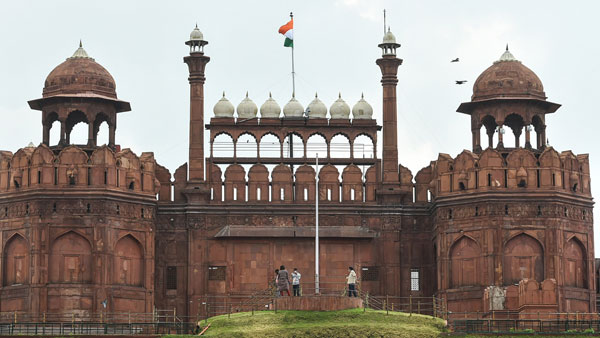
(345, 323)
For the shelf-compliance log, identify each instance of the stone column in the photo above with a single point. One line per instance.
(527, 137)
(196, 62)
(91, 137)
(389, 68)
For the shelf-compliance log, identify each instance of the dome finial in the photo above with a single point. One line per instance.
(80, 44)
(80, 53)
(270, 95)
(246, 93)
(507, 47)
(339, 95)
(362, 95)
(316, 96)
(223, 93)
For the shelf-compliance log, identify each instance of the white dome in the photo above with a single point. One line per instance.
(270, 109)
(196, 34)
(223, 108)
(362, 109)
(339, 109)
(389, 37)
(247, 108)
(317, 109)
(293, 108)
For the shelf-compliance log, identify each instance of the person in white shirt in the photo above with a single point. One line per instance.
(296, 282)
(351, 280)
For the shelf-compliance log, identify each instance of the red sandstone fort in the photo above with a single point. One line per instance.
(91, 228)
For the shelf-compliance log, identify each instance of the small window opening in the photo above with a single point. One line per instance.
(118, 178)
(105, 176)
(522, 184)
(212, 194)
(553, 179)
(575, 187)
(71, 180)
(450, 214)
(171, 278)
(328, 194)
(476, 211)
(461, 186)
(566, 212)
(451, 182)
(39, 180)
(489, 176)
(27, 209)
(539, 212)
(258, 194)
(506, 210)
(89, 176)
(538, 177)
(5, 212)
(118, 210)
(235, 193)
(352, 194)
(306, 194)
(54, 207)
(88, 209)
(282, 194)
(131, 185)
(414, 280)
(142, 182)
(16, 183)
(505, 178)
(476, 179)
(142, 213)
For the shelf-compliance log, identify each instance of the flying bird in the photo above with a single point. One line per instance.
(459, 82)
(455, 60)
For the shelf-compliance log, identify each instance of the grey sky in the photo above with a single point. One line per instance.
(141, 44)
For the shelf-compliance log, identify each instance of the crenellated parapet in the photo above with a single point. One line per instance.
(36, 168)
(518, 171)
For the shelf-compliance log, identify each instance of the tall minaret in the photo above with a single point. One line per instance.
(389, 68)
(196, 62)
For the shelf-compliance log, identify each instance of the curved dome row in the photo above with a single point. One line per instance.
(316, 109)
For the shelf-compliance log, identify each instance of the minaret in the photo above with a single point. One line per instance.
(389, 68)
(196, 62)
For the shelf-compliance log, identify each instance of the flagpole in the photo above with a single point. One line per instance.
(317, 291)
(293, 72)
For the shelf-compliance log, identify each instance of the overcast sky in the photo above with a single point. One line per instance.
(141, 43)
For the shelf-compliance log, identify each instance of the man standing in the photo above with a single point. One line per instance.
(296, 282)
(351, 280)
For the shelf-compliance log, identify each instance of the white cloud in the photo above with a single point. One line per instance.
(367, 9)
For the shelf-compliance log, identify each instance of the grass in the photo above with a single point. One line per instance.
(326, 324)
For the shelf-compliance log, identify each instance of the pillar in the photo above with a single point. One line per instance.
(91, 137)
(196, 62)
(111, 134)
(500, 136)
(476, 132)
(527, 137)
(389, 68)
(46, 134)
(490, 133)
(63, 133)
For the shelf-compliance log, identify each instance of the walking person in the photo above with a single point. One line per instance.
(283, 281)
(351, 280)
(296, 282)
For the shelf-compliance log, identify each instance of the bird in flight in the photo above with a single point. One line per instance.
(459, 82)
(455, 60)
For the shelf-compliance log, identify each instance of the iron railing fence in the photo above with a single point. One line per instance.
(546, 326)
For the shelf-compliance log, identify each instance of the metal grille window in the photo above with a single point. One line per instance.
(216, 273)
(370, 273)
(171, 278)
(414, 279)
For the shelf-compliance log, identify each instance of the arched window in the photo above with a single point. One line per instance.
(246, 146)
(16, 261)
(270, 146)
(523, 258)
(71, 259)
(575, 264)
(363, 147)
(128, 262)
(77, 133)
(222, 146)
(339, 147)
(464, 263)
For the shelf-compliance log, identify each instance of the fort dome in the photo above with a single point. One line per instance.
(80, 75)
(508, 78)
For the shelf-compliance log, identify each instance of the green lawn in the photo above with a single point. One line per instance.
(326, 324)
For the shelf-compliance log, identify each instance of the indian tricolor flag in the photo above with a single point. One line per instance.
(288, 31)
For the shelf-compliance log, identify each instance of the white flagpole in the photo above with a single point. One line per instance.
(293, 72)
(317, 291)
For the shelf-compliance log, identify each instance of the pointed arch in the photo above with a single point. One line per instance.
(16, 261)
(128, 262)
(523, 258)
(70, 259)
(575, 263)
(465, 262)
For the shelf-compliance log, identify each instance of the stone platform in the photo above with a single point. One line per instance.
(317, 303)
